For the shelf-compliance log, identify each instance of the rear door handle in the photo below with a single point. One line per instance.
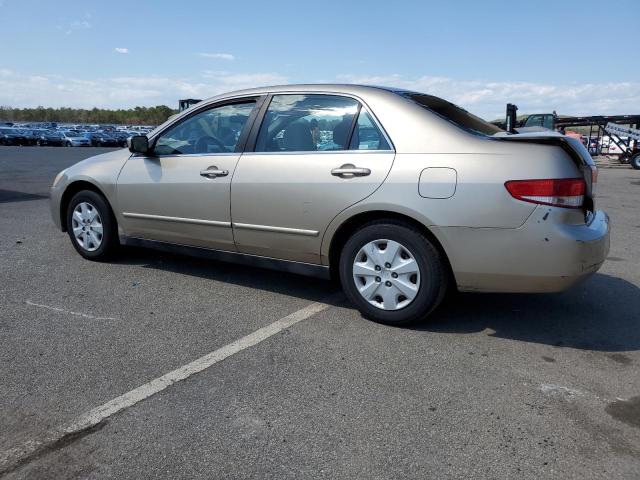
(213, 172)
(349, 170)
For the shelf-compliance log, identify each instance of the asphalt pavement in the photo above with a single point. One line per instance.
(491, 386)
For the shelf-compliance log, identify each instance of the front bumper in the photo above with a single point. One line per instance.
(550, 252)
(55, 198)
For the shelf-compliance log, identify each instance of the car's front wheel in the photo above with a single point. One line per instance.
(392, 272)
(91, 226)
(635, 161)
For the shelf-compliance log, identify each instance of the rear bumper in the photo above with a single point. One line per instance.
(545, 254)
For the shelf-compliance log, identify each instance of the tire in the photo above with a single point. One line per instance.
(413, 250)
(635, 161)
(68, 144)
(97, 246)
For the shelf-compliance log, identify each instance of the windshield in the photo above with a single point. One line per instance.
(452, 113)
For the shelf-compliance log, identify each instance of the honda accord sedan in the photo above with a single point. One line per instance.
(399, 195)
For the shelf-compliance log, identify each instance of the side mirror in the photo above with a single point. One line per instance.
(138, 144)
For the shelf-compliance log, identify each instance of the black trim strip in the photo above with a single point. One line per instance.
(354, 122)
(299, 268)
(252, 139)
(244, 135)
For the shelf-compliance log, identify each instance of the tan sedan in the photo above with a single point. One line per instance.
(399, 194)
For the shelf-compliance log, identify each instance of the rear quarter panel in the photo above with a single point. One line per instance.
(480, 199)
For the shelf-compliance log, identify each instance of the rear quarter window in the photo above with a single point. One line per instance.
(453, 114)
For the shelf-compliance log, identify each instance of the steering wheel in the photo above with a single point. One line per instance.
(202, 145)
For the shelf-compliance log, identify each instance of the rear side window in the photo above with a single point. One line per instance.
(307, 123)
(367, 135)
(452, 113)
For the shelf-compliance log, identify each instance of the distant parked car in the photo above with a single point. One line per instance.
(75, 139)
(121, 138)
(50, 137)
(101, 139)
(14, 136)
(32, 136)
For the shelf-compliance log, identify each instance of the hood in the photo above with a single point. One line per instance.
(117, 155)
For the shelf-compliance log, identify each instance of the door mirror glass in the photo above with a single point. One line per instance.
(138, 144)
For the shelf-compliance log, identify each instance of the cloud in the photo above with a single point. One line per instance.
(121, 50)
(218, 56)
(20, 90)
(484, 98)
(76, 25)
(239, 81)
(488, 98)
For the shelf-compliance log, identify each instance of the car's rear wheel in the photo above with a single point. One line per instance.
(635, 161)
(392, 272)
(91, 226)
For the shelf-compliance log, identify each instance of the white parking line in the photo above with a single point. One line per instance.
(68, 312)
(10, 459)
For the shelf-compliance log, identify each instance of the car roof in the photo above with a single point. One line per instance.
(348, 88)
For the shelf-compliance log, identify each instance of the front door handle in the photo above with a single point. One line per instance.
(349, 170)
(213, 172)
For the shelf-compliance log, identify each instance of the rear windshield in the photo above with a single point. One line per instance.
(454, 114)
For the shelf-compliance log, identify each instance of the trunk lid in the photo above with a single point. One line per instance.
(572, 146)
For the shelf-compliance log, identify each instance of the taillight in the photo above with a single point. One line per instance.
(594, 180)
(561, 192)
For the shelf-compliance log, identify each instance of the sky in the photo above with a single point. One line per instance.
(541, 55)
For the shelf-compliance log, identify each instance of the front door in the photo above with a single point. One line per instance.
(315, 155)
(181, 193)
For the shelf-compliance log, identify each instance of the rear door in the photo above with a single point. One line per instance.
(314, 156)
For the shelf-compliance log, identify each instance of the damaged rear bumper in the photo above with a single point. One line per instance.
(550, 252)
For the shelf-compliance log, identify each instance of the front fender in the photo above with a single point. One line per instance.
(100, 171)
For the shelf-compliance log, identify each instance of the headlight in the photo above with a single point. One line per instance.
(58, 178)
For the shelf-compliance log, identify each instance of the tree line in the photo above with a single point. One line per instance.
(134, 116)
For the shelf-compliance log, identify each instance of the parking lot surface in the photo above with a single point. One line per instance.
(491, 386)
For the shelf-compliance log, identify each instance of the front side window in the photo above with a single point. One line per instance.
(307, 123)
(215, 130)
